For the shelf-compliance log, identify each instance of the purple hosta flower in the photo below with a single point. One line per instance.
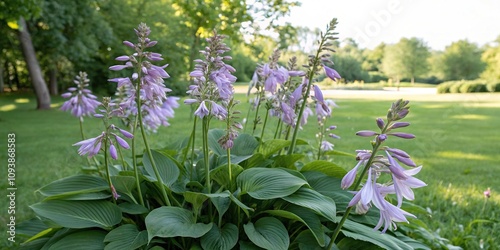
(390, 214)
(331, 73)
(307, 112)
(401, 156)
(273, 76)
(326, 146)
(224, 81)
(288, 114)
(297, 94)
(349, 178)
(487, 193)
(366, 133)
(403, 179)
(202, 110)
(399, 125)
(82, 102)
(402, 135)
(115, 194)
(90, 146)
(112, 151)
(322, 110)
(218, 111)
(380, 123)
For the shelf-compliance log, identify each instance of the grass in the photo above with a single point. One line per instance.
(457, 142)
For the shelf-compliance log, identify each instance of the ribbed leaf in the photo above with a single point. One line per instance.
(77, 184)
(79, 214)
(339, 153)
(311, 221)
(124, 184)
(244, 144)
(272, 146)
(169, 172)
(287, 161)
(268, 183)
(268, 233)
(102, 195)
(304, 239)
(213, 141)
(131, 208)
(221, 174)
(322, 205)
(126, 237)
(81, 240)
(361, 232)
(174, 221)
(329, 186)
(326, 167)
(224, 238)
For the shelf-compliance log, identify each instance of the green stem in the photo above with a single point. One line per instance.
(205, 154)
(83, 138)
(264, 127)
(321, 135)
(229, 166)
(107, 167)
(124, 165)
(246, 119)
(191, 141)
(134, 163)
(255, 120)
(278, 129)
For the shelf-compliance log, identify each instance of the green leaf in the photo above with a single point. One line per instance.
(126, 237)
(339, 153)
(322, 205)
(83, 197)
(124, 184)
(257, 160)
(81, 240)
(174, 221)
(329, 186)
(221, 204)
(169, 172)
(268, 183)
(221, 175)
(213, 141)
(224, 238)
(79, 214)
(73, 185)
(287, 161)
(30, 227)
(272, 146)
(132, 208)
(268, 233)
(304, 241)
(244, 144)
(240, 204)
(245, 245)
(361, 232)
(350, 243)
(196, 199)
(313, 222)
(326, 167)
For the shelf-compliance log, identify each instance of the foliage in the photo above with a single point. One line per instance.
(407, 58)
(460, 61)
(491, 56)
(247, 194)
(467, 86)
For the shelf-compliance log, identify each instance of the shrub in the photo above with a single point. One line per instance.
(493, 87)
(472, 87)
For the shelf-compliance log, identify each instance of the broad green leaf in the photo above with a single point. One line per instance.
(30, 227)
(412, 242)
(313, 222)
(268, 183)
(362, 232)
(268, 233)
(326, 167)
(79, 214)
(244, 144)
(169, 172)
(131, 208)
(329, 186)
(245, 245)
(124, 184)
(126, 237)
(196, 199)
(287, 161)
(44, 233)
(224, 238)
(240, 204)
(81, 240)
(221, 204)
(322, 205)
(213, 141)
(77, 184)
(102, 195)
(304, 241)
(339, 153)
(272, 146)
(169, 222)
(350, 243)
(257, 160)
(221, 175)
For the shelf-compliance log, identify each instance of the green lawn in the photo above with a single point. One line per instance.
(457, 142)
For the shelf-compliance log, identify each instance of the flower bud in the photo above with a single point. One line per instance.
(403, 135)
(380, 123)
(366, 133)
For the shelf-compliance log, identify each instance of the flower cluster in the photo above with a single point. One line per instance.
(108, 137)
(148, 80)
(374, 193)
(213, 80)
(82, 102)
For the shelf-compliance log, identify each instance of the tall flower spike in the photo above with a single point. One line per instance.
(82, 102)
(148, 79)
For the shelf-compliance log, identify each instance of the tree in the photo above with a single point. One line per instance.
(461, 60)
(491, 56)
(407, 58)
(373, 58)
(18, 10)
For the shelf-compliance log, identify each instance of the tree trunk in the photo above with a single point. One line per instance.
(53, 82)
(1, 77)
(412, 80)
(39, 86)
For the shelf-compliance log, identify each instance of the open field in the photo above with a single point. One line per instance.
(457, 142)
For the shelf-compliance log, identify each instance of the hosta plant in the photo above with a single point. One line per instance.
(226, 188)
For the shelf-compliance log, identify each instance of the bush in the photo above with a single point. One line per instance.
(493, 87)
(444, 87)
(455, 87)
(376, 76)
(473, 87)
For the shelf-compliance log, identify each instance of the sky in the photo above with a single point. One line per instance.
(437, 22)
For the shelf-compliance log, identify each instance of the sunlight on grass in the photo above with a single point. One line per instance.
(434, 106)
(22, 100)
(462, 155)
(8, 107)
(471, 117)
(56, 105)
